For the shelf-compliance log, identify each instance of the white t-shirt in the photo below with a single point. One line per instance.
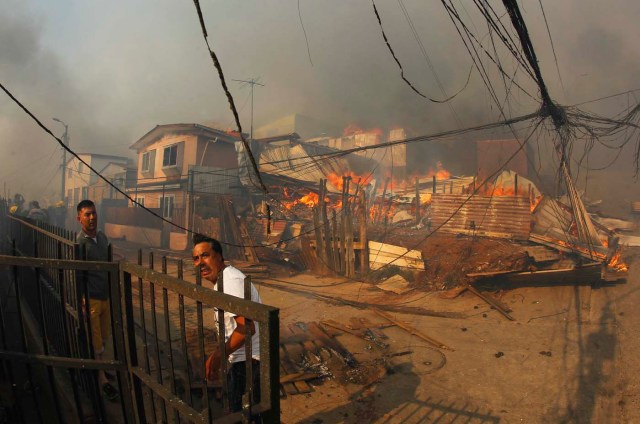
(233, 283)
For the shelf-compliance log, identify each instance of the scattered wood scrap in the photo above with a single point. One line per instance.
(412, 330)
(614, 224)
(299, 376)
(631, 241)
(495, 303)
(372, 335)
(396, 284)
(303, 349)
(589, 273)
(542, 254)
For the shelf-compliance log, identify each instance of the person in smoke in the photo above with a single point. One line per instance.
(96, 246)
(207, 254)
(36, 213)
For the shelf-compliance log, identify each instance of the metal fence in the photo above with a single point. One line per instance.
(163, 330)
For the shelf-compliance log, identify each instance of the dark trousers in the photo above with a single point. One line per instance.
(237, 384)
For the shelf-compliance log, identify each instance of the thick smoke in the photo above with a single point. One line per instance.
(114, 70)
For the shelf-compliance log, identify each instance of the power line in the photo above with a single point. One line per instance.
(232, 105)
(553, 49)
(68, 149)
(305, 34)
(386, 40)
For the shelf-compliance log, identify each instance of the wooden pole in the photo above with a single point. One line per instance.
(334, 241)
(417, 202)
(434, 184)
(328, 241)
(412, 330)
(343, 228)
(384, 193)
(364, 242)
(318, 229)
(350, 262)
(515, 183)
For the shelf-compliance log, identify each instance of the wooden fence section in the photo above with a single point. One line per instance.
(339, 236)
(491, 216)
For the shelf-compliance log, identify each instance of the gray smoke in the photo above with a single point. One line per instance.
(114, 70)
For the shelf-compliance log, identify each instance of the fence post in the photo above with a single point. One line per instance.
(131, 348)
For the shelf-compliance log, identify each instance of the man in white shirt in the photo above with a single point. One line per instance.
(207, 254)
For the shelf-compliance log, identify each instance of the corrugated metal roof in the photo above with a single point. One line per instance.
(493, 216)
(553, 224)
(294, 162)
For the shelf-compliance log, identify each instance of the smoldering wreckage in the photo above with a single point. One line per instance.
(328, 214)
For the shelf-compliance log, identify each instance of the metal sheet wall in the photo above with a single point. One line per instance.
(494, 216)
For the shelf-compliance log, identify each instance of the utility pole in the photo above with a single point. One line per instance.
(253, 82)
(65, 140)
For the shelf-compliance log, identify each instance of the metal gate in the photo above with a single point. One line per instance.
(162, 332)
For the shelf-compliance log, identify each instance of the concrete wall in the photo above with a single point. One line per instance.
(147, 236)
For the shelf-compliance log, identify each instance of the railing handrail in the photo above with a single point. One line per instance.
(246, 308)
(67, 264)
(43, 231)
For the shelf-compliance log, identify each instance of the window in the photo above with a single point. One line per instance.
(80, 167)
(166, 205)
(146, 159)
(85, 193)
(170, 156)
(140, 201)
(69, 172)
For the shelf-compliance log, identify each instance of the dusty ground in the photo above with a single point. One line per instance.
(570, 356)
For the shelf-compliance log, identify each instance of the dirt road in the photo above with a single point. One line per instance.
(570, 356)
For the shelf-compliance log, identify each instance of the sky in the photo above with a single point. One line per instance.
(112, 70)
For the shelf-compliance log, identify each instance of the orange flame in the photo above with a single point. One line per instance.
(440, 173)
(336, 180)
(353, 129)
(617, 264)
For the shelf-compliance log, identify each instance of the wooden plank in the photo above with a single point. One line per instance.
(364, 254)
(320, 252)
(248, 242)
(289, 388)
(578, 275)
(291, 367)
(350, 263)
(332, 344)
(296, 354)
(363, 333)
(299, 376)
(412, 330)
(379, 262)
(335, 242)
(307, 254)
(498, 306)
(377, 247)
(310, 350)
(542, 253)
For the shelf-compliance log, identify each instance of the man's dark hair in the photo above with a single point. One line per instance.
(215, 244)
(35, 204)
(85, 204)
